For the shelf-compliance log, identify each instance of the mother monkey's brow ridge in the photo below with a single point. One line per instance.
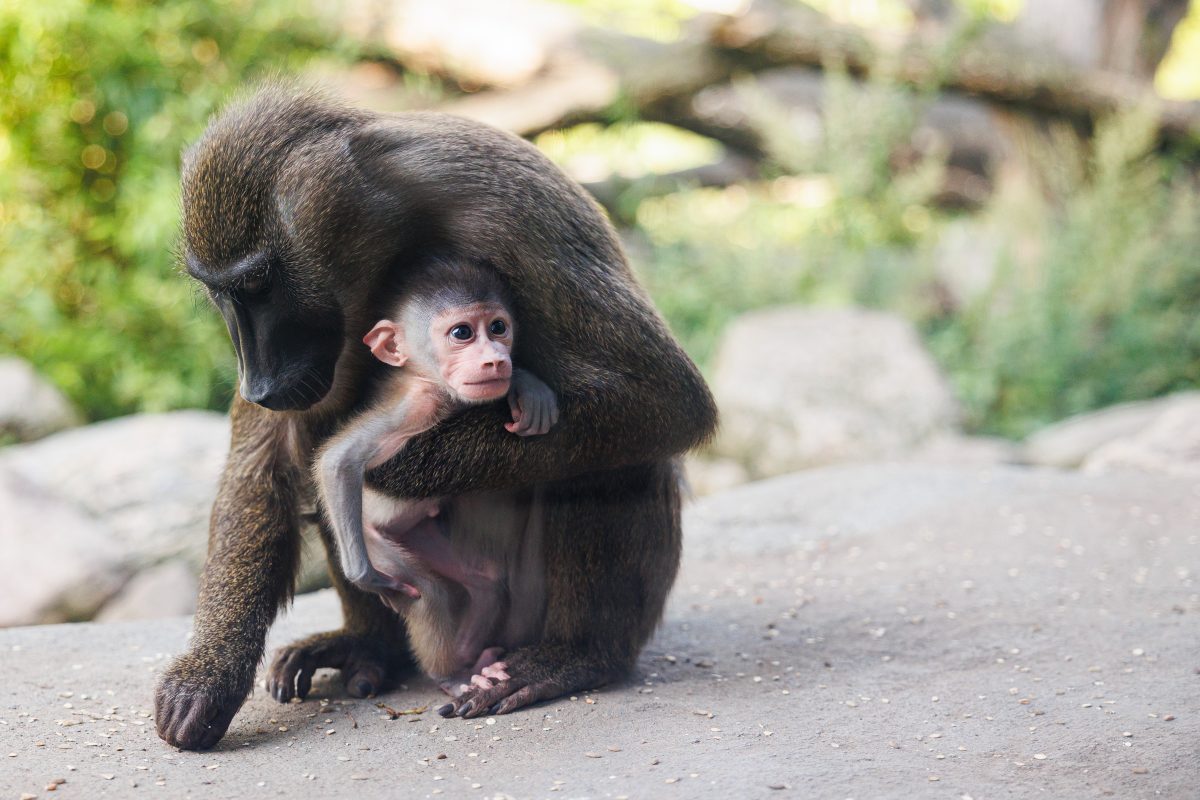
(365, 196)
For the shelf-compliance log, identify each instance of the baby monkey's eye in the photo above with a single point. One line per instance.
(498, 328)
(461, 332)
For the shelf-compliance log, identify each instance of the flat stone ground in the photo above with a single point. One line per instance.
(854, 632)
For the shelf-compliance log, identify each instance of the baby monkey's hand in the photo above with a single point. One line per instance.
(534, 406)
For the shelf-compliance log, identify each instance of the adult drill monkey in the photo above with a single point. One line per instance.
(298, 216)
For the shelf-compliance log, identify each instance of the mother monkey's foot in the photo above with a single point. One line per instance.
(366, 665)
(530, 674)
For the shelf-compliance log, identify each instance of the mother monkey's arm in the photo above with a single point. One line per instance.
(627, 391)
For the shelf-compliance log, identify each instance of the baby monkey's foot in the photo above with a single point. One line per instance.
(378, 583)
(487, 668)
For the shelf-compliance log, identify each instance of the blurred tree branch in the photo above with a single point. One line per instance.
(659, 81)
(993, 67)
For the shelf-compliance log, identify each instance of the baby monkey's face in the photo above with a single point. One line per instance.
(473, 348)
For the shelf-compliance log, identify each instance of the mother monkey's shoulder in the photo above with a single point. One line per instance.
(299, 218)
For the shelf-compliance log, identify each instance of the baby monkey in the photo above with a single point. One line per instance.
(452, 336)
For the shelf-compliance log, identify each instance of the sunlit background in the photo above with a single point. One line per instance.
(1014, 183)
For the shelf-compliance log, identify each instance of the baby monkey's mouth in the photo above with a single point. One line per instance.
(489, 389)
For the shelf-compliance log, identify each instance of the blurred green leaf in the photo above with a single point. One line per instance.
(98, 100)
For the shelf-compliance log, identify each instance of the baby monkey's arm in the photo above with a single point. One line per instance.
(374, 436)
(533, 404)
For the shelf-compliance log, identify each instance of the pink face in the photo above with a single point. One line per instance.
(473, 346)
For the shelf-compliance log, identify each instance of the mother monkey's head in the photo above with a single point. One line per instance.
(279, 229)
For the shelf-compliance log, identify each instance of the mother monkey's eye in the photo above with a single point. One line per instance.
(254, 285)
(462, 333)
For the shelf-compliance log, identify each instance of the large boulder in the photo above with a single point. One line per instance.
(151, 478)
(1169, 445)
(1070, 443)
(59, 563)
(869, 631)
(800, 387)
(166, 590)
(30, 407)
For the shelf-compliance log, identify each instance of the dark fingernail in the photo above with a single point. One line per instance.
(446, 711)
(494, 710)
(467, 708)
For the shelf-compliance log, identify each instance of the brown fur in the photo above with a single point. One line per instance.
(336, 203)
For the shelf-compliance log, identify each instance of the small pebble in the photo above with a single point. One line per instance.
(1140, 770)
(1040, 756)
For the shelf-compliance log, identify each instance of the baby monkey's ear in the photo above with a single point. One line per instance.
(386, 341)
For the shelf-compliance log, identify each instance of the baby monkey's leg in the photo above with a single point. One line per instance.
(488, 664)
(400, 570)
(481, 580)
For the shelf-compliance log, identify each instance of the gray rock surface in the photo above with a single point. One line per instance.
(957, 448)
(859, 631)
(1169, 445)
(1069, 443)
(30, 406)
(165, 590)
(56, 563)
(801, 387)
(151, 477)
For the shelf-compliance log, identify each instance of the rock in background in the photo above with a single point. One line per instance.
(800, 387)
(129, 502)
(30, 407)
(1089, 439)
(60, 564)
(150, 477)
(1168, 445)
(167, 590)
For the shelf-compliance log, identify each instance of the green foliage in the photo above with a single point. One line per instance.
(1095, 298)
(1096, 293)
(845, 235)
(98, 100)
(1107, 307)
